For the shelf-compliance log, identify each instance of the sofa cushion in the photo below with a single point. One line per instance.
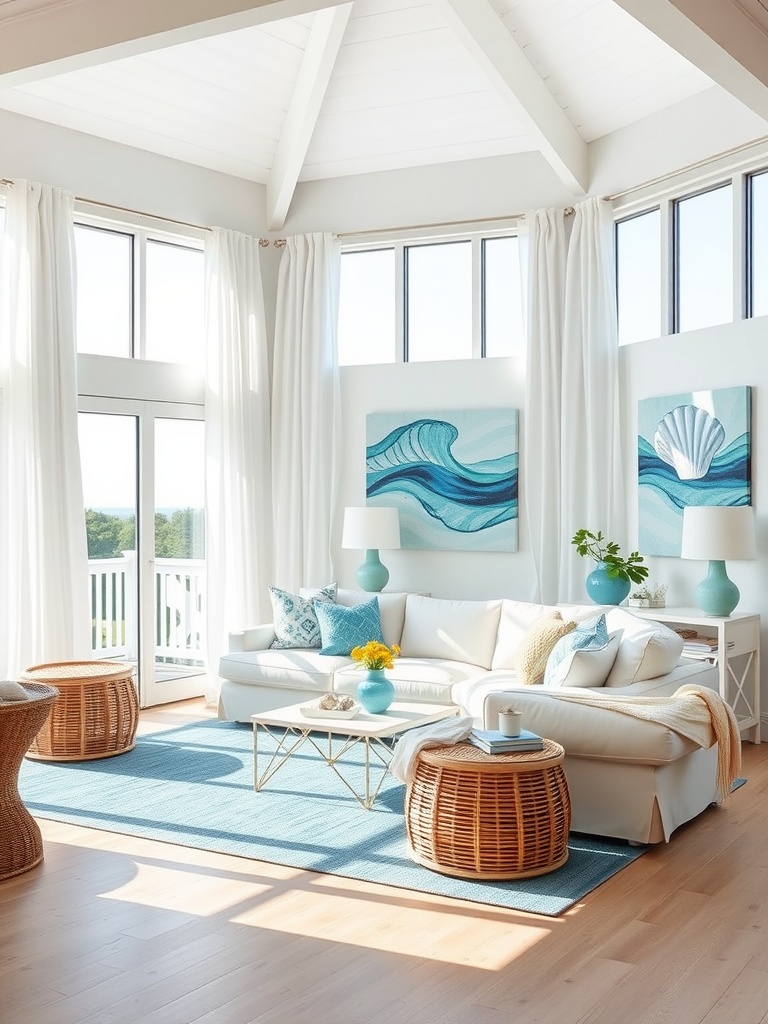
(294, 617)
(648, 649)
(517, 617)
(450, 630)
(414, 679)
(535, 647)
(341, 628)
(292, 669)
(584, 666)
(391, 611)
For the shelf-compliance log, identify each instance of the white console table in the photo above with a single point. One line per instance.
(737, 657)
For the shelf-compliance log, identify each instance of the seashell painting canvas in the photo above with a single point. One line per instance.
(693, 449)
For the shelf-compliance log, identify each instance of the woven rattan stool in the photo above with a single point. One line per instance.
(95, 714)
(21, 845)
(477, 815)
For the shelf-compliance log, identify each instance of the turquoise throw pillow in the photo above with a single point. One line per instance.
(343, 628)
(587, 636)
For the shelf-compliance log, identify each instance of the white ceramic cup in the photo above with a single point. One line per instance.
(510, 723)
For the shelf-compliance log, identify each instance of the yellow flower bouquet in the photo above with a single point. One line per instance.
(375, 655)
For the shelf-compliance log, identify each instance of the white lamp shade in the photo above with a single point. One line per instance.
(373, 526)
(718, 532)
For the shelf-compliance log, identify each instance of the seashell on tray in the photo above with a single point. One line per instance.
(688, 438)
(335, 702)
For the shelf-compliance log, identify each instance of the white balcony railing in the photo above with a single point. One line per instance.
(179, 611)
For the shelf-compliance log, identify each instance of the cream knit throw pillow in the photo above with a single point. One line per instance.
(536, 646)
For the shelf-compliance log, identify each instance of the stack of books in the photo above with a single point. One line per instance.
(494, 742)
(697, 646)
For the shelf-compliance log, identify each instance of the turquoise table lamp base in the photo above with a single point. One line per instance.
(372, 575)
(716, 594)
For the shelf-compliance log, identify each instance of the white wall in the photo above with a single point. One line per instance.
(718, 357)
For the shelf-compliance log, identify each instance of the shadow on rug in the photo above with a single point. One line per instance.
(193, 786)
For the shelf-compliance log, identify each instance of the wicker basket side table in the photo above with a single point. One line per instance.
(489, 816)
(95, 715)
(21, 844)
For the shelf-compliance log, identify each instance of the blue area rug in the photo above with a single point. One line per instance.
(193, 786)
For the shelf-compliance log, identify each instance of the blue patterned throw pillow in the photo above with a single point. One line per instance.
(343, 628)
(294, 617)
(587, 636)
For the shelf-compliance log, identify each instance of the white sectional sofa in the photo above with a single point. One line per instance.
(629, 778)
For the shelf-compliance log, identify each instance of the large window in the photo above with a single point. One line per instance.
(503, 332)
(758, 245)
(104, 291)
(638, 277)
(703, 247)
(438, 301)
(421, 301)
(694, 260)
(139, 294)
(367, 307)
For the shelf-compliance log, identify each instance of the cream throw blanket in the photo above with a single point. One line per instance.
(691, 711)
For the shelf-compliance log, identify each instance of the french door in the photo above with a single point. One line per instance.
(143, 480)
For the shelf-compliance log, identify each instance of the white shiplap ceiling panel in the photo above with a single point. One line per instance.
(407, 86)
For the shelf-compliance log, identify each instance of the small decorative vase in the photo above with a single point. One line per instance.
(603, 589)
(375, 692)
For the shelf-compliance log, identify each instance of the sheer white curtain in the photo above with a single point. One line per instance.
(238, 505)
(44, 601)
(306, 417)
(572, 473)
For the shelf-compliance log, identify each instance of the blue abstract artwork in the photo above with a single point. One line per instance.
(693, 449)
(452, 475)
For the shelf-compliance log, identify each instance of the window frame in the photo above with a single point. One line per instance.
(401, 241)
(142, 229)
(735, 169)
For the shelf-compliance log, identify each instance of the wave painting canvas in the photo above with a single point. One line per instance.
(452, 475)
(693, 449)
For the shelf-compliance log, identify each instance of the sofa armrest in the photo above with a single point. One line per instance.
(256, 638)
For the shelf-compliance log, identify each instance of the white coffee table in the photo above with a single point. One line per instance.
(290, 730)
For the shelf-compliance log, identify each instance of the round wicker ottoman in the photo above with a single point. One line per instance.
(95, 714)
(21, 845)
(490, 816)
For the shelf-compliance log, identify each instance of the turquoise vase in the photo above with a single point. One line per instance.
(375, 692)
(603, 589)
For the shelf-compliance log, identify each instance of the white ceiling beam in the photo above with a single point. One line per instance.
(718, 36)
(486, 37)
(68, 36)
(328, 29)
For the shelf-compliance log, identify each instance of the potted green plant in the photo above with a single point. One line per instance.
(612, 579)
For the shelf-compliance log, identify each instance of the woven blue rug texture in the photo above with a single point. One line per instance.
(193, 785)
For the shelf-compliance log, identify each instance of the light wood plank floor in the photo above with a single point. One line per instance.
(114, 930)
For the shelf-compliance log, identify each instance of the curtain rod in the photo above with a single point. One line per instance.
(569, 211)
(704, 162)
(263, 242)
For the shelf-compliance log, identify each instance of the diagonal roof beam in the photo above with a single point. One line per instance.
(718, 36)
(67, 36)
(485, 36)
(325, 38)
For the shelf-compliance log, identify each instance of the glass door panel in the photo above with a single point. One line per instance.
(108, 447)
(179, 580)
(142, 467)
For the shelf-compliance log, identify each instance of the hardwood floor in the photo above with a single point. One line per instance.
(114, 930)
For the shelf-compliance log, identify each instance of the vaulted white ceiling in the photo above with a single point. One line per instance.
(282, 91)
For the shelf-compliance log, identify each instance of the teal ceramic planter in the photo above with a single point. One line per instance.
(602, 589)
(375, 692)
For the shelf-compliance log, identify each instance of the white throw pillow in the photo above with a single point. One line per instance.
(584, 666)
(451, 630)
(648, 649)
